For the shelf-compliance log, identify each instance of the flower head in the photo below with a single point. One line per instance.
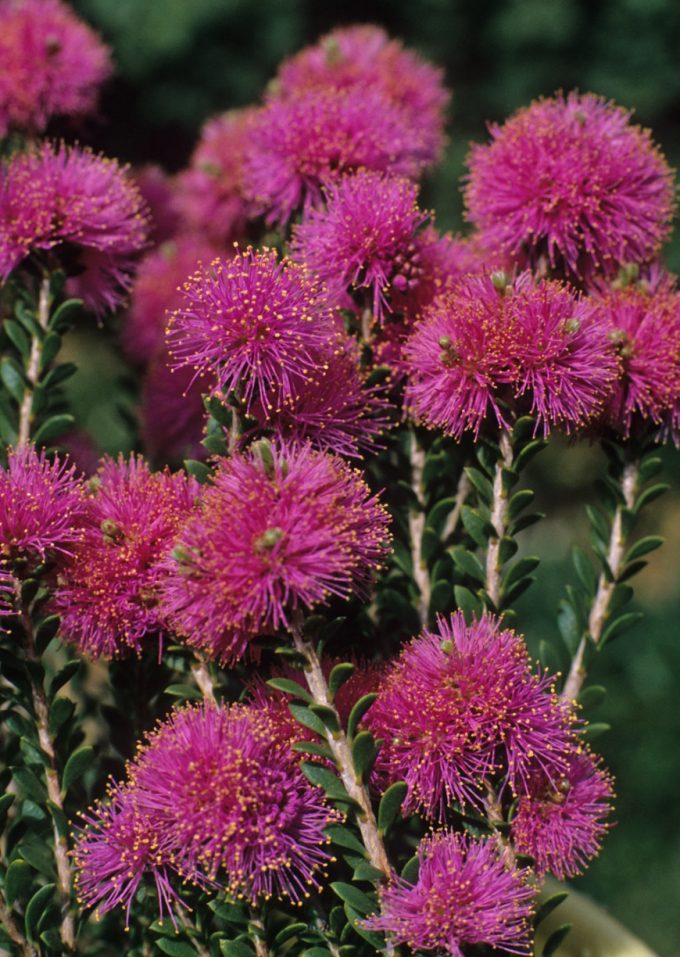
(488, 714)
(210, 192)
(224, 795)
(364, 238)
(465, 894)
(364, 57)
(297, 146)
(158, 192)
(109, 589)
(83, 207)
(114, 849)
(560, 823)
(281, 527)
(52, 65)
(252, 322)
(172, 414)
(41, 507)
(570, 179)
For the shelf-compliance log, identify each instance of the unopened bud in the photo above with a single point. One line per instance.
(444, 342)
(111, 530)
(263, 449)
(446, 646)
(499, 281)
(269, 539)
(572, 325)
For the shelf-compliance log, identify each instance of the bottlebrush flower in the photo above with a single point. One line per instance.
(333, 409)
(210, 192)
(560, 823)
(297, 146)
(83, 207)
(172, 414)
(157, 290)
(114, 850)
(254, 323)
(364, 57)
(571, 180)
(487, 714)
(282, 527)
(363, 238)
(466, 894)
(224, 796)
(108, 590)
(157, 189)
(52, 65)
(41, 507)
(643, 325)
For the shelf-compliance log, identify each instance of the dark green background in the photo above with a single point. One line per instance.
(179, 61)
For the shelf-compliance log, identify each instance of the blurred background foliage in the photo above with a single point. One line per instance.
(179, 62)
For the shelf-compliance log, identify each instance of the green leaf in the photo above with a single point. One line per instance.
(62, 709)
(35, 908)
(313, 748)
(592, 696)
(349, 894)
(6, 802)
(477, 527)
(18, 879)
(51, 938)
(429, 544)
(235, 948)
(520, 568)
(50, 348)
(366, 872)
(649, 494)
(584, 569)
(69, 671)
(323, 778)
(524, 521)
(619, 625)
(52, 428)
(29, 785)
(343, 837)
(12, 378)
(47, 629)
(176, 948)
(38, 853)
(364, 753)
(568, 624)
(401, 556)
(316, 952)
(437, 516)
(467, 602)
(596, 729)
(481, 484)
(409, 871)
(327, 715)
(598, 522)
(390, 805)
(468, 563)
(441, 597)
(555, 939)
(17, 336)
(548, 906)
(338, 677)
(58, 374)
(513, 593)
(643, 547)
(199, 470)
(304, 716)
(76, 765)
(65, 314)
(526, 454)
(292, 930)
(377, 941)
(59, 818)
(184, 692)
(358, 711)
(519, 502)
(290, 687)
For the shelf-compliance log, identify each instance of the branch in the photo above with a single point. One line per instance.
(34, 361)
(201, 675)
(499, 520)
(416, 527)
(15, 935)
(462, 491)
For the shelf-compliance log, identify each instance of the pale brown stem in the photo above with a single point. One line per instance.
(599, 611)
(499, 521)
(416, 526)
(15, 935)
(201, 674)
(33, 368)
(259, 942)
(367, 325)
(463, 490)
(341, 751)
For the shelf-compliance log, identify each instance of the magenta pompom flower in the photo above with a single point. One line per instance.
(364, 238)
(68, 200)
(466, 894)
(230, 803)
(172, 414)
(571, 181)
(364, 57)
(643, 325)
(114, 850)
(41, 507)
(52, 65)
(297, 146)
(560, 823)
(281, 528)
(108, 590)
(209, 194)
(487, 714)
(157, 189)
(254, 323)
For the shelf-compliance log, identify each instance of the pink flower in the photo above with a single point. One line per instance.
(466, 894)
(158, 192)
(172, 414)
(108, 591)
(364, 238)
(41, 507)
(230, 804)
(364, 57)
(52, 65)
(210, 192)
(299, 145)
(571, 181)
(643, 325)
(113, 852)
(80, 206)
(281, 528)
(254, 323)
(560, 823)
(487, 714)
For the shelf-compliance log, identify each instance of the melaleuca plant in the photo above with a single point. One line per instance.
(264, 689)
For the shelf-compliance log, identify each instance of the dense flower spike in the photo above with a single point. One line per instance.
(364, 238)
(281, 528)
(84, 208)
(115, 848)
(52, 65)
(298, 146)
(560, 823)
(570, 181)
(252, 322)
(41, 507)
(466, 894)
(108, 591)
(225, 796)
(643, 325)
(487, 714)
(210, 192)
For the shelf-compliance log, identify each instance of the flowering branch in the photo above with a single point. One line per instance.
(462, 491)
(34, 363)
(416, 524)
(499, 521)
